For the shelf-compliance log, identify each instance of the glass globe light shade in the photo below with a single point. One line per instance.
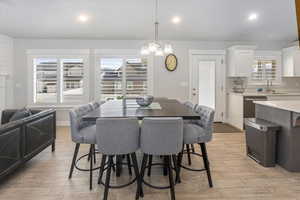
(145, 50)
(168, 49)
(159, 52)
(153, 47)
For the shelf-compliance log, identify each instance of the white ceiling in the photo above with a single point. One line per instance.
(210, 20)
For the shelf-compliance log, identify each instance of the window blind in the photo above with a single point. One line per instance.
(111, 78)
(120, 77)
(73, 73)
(45, 72)
(264, 70)
(136, 77)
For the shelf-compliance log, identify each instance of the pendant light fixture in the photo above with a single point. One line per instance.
(156, 47)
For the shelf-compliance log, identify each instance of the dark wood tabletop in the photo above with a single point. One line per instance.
(115, 109)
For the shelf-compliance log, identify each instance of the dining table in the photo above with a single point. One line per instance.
(128, 108)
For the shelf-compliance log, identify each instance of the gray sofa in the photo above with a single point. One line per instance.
(22, 139)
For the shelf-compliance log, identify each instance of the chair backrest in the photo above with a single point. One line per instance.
(162, 136)
(76, 122)
(190, 105)
(96, 104)
(117, 136)
(207, 115)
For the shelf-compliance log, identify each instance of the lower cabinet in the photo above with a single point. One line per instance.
(238, 107)
(235, 110)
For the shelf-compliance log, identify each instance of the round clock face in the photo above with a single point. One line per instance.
(171, 62)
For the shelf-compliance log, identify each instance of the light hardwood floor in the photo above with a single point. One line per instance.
(235, 176)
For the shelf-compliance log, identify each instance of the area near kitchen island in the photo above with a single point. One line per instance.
(287, 115)
(240, 105)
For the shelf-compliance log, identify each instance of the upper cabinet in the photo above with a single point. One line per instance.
(240, 60)
(291, 62)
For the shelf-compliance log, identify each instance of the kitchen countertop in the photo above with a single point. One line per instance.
(292, 105)
(266, 94)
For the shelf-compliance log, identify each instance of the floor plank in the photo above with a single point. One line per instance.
(235, 176)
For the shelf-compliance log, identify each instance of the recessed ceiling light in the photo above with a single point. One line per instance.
(253, 17)
(83, 18)
(176, 20)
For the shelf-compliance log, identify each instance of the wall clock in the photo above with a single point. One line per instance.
(171, 62)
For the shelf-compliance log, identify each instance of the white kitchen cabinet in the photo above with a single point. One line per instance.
(235, 110)
(291, 62)
(240, 60)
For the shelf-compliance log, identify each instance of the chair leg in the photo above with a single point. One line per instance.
(150, 163)
(103, 160)
(137, 174)
(94, 154)
(129, 164)
(118, 165)
(165, 170)
(193, 148)
(179, 161)
(74, 160)
(189, 154)
(107, 181)
(89, 156)
(206, 163)
(91, 167)
(174, 157)
(143, 169)
(171, 181)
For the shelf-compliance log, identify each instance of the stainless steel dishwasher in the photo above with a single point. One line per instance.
(249, 106)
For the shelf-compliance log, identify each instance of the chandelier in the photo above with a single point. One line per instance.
(156, 47)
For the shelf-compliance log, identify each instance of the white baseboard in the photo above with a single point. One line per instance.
(62, 123)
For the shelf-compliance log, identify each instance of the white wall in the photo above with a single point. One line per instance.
(6, 67)
(170, 84)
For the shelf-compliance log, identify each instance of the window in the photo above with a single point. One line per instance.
(265, 68)
(58, 80)
(45, 80)
(123, 76)
(72, 79)
(136, 77)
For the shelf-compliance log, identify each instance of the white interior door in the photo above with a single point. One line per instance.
(207, 83)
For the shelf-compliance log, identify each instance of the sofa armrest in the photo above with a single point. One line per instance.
(6, 115)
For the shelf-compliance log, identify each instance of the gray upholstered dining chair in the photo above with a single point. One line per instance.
(115, 137)
(162, 137)
(200, 133)
(190, 105)
(190, 147)
(96, 104)
(82, 133)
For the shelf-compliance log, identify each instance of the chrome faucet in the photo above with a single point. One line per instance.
(269, 85)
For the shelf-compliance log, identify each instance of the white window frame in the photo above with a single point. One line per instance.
(123, 54)
(268, 55)
(58, 54)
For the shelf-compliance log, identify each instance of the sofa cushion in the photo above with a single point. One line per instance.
(20, 114)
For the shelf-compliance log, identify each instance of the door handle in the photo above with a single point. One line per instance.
(194, 94)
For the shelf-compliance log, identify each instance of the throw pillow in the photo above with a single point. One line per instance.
(20, 114)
